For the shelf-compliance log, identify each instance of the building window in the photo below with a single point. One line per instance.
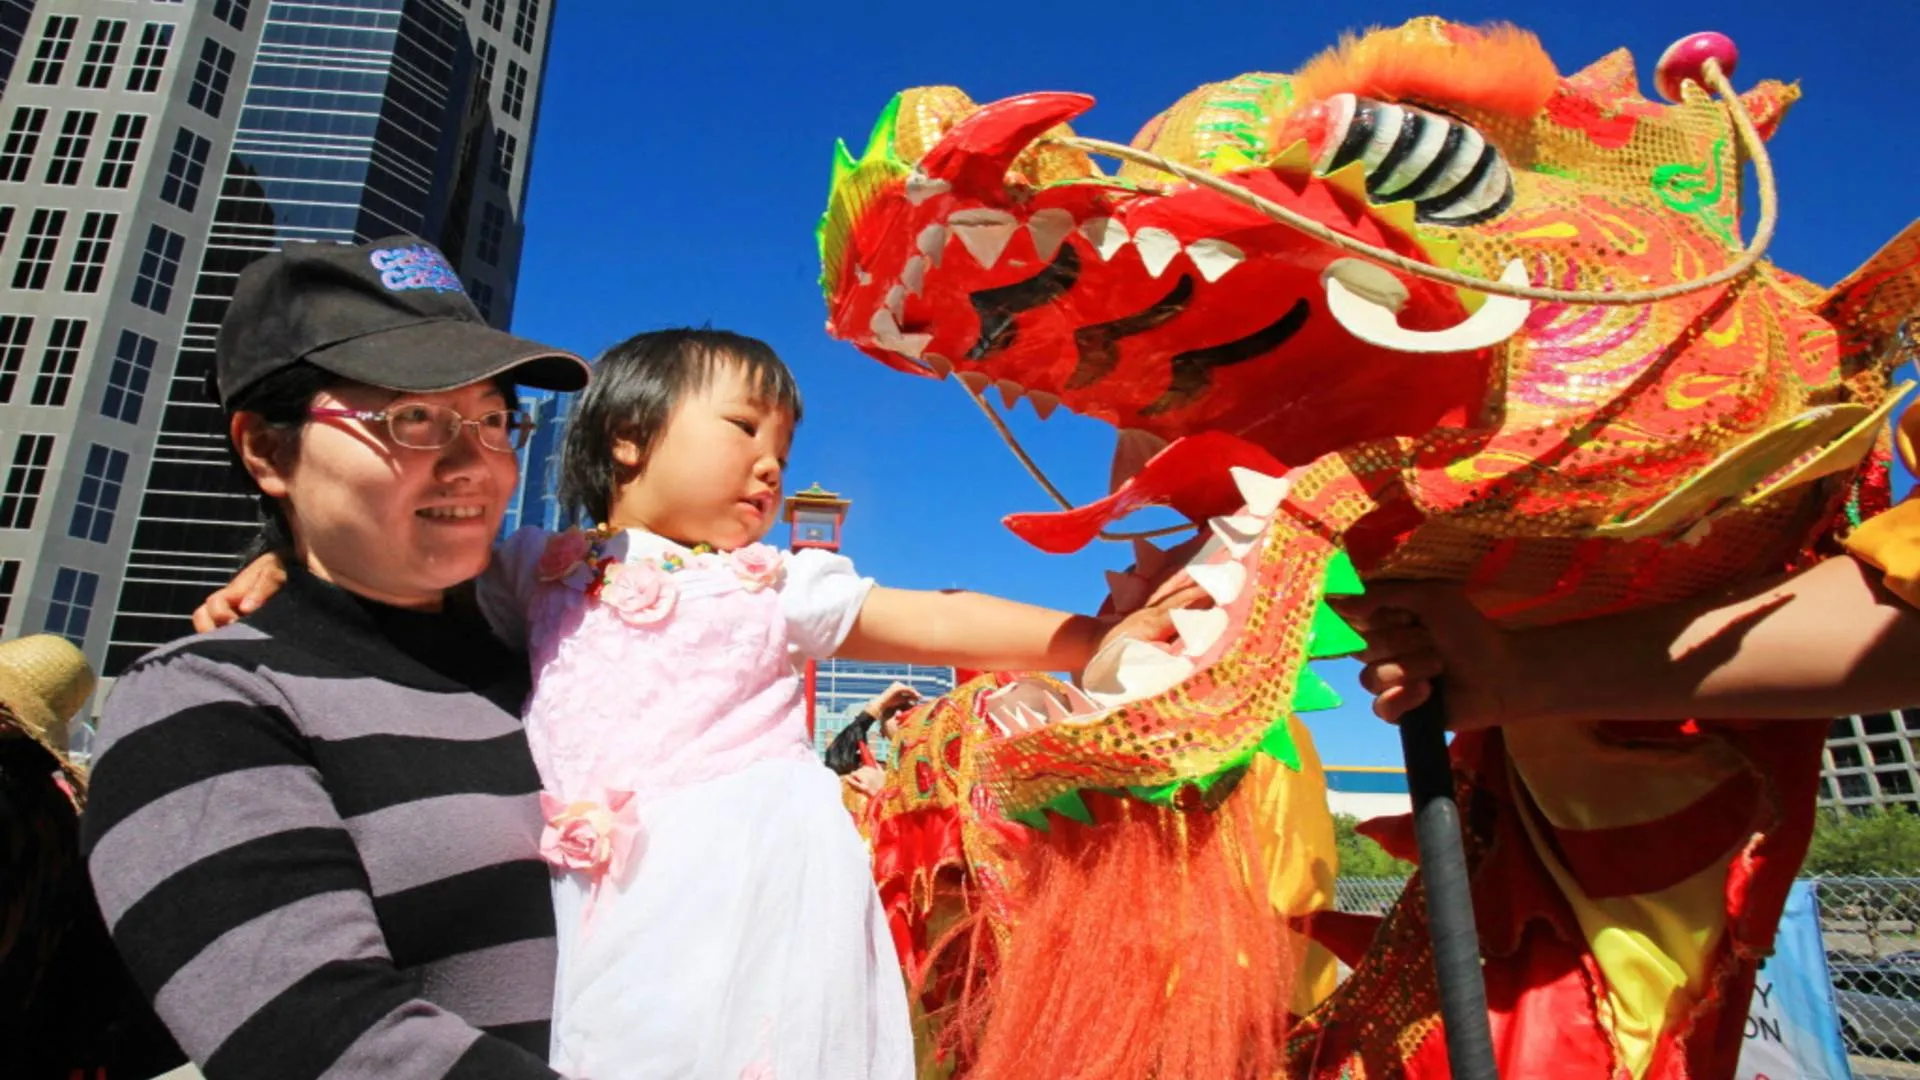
(486, 56)
(1877, 724)
(14, 331)
(62, 355)
(150, 59)
(1888, 753)
(123, 149)
(505, 149)
(1854, 786)
(9, 581)
(6, 225)
(21, 496)
(481, 294)
(185, 169)
(209, 91)
(70, 148)
(232, 12)
(38, 251)
(1898, 782)
(72, 605)
(493, 12)
(90, 252)
(1846, 757)
(96, 71)
(523, 23)
(56, 38)
(127, 380)
(514, 95)
(99, 494)
(493, 226)
(23, 139)
(159, 264)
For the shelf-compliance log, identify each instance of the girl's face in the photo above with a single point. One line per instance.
(388, 522)
(713, 475)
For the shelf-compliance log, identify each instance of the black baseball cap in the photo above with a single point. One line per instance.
(391, 314)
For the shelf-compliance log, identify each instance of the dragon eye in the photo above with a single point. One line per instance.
(1451, 172)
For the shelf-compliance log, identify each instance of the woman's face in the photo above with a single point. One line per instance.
(391, 523)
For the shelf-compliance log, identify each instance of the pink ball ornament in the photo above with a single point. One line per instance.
(1687, 58)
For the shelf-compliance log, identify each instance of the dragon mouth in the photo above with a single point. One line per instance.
(1223, 564)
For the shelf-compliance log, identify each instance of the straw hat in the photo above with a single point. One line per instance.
(44, 681)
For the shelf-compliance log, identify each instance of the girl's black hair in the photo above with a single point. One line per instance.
(636, 385)
(843, 753)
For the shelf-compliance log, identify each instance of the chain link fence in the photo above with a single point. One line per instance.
(1871, 927)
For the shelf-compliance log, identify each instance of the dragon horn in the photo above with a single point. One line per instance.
(975, 155)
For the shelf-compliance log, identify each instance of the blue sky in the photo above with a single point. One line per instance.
(682, 159)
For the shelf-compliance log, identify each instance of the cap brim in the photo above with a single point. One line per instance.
(445, 354)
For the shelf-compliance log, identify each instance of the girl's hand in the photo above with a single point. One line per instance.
(1154, 619)
(250, 588)
(1418, 632)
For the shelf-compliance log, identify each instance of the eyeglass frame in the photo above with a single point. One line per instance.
(385, 417)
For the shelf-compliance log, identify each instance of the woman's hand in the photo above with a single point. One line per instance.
(250, 588)
(867, 780)
(891, 700)
(1419, 632)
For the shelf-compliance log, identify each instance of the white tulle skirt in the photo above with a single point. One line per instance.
(747, 944)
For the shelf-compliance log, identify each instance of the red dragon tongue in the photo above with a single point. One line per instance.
(1191, 475)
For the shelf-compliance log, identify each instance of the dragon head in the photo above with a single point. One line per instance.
(963, 240)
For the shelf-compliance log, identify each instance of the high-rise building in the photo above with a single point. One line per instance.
(1873, 761)
(149, 150)
(536, 501)
(841, 687)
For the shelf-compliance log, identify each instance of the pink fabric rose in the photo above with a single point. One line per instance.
(563, 552)
(594, 837)
(640, 593)
(759, 1070)
(758, 567)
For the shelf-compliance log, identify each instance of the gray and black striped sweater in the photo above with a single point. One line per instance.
(315, 835)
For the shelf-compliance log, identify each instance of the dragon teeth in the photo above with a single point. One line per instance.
(1222, 581)
(976, 381)
(1010, 391)
(1213, 258)
(1157, 248)
(1199, 628)
(921, 187)
(1043, 403)
(1106, 235)
(1049, 228)
(1238, 532)
(1261, 493)
(931, 242)
(984, 232)
(914, 275)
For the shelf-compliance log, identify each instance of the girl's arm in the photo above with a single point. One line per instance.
(971, 630)
(1826, 642)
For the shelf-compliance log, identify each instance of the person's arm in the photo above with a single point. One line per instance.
(970, 630)
(1826, 642)
(240, 903)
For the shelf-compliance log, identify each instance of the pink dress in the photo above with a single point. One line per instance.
(716, 910)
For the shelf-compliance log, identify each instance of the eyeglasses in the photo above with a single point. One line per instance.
(430, 427)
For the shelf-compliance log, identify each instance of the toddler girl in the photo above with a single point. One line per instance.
(716, 912)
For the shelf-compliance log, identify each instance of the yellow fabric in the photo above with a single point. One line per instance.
(1300, 855)
(1891, 541)
(1649, 948)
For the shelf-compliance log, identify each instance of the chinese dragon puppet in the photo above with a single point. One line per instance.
(1133, 877)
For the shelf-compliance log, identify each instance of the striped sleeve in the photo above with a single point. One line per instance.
(240, 902)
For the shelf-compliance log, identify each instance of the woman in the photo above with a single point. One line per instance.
(315, 833)
(1838, 638)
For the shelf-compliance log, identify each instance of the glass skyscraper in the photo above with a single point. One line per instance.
(229, 127)
(841, 687)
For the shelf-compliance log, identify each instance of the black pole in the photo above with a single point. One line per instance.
(1443, 871)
